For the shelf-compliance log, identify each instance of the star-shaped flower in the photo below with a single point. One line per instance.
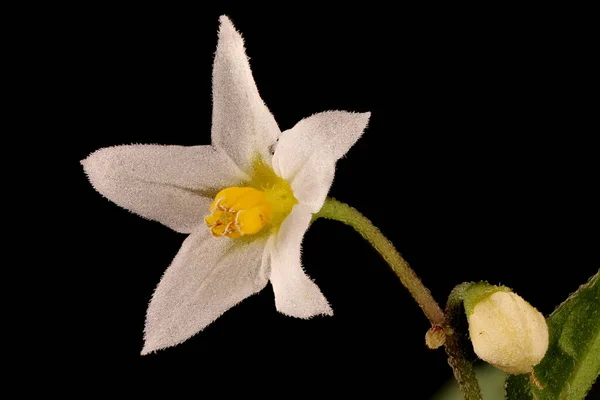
(246, 201)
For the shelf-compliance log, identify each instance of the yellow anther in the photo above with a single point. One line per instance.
(238, 211)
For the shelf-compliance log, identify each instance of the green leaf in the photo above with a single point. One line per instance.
(572, 362)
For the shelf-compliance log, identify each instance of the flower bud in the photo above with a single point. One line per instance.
(435, 337)
(505, 330)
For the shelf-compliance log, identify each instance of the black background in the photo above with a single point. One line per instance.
(478, 163)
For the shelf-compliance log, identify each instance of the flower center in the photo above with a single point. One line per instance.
(265, 201)
(238, 211)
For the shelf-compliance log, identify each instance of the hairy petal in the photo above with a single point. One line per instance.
(307, 153)
(242, 125)
(168, 184)
(208, 276)
(296, 294)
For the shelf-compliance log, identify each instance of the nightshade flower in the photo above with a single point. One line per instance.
(245, 201)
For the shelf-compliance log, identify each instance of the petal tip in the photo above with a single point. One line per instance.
(226, 27)
(151, 346)
(90, 164)
(99, 167)
(224, 19)
(367, 118)
(363, 117)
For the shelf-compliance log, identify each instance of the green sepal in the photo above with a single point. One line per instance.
(477, 292)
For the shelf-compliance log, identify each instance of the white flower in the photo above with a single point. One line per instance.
(246, 201)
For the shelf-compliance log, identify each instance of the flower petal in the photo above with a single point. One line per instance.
(295, 293)
(208, 276)
(307, 153)
(168, 184)
(242, 125)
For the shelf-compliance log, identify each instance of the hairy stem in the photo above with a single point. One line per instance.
(463, 369)
(333, 209)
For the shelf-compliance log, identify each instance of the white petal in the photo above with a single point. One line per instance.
(307, 153)
(207, 277)
(295, 293)
(312, 183)
(242, 125)
(168, 184)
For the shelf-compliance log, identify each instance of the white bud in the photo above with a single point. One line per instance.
(508, 332)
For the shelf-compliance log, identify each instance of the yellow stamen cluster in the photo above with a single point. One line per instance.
(266, 200)
(238, 211)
